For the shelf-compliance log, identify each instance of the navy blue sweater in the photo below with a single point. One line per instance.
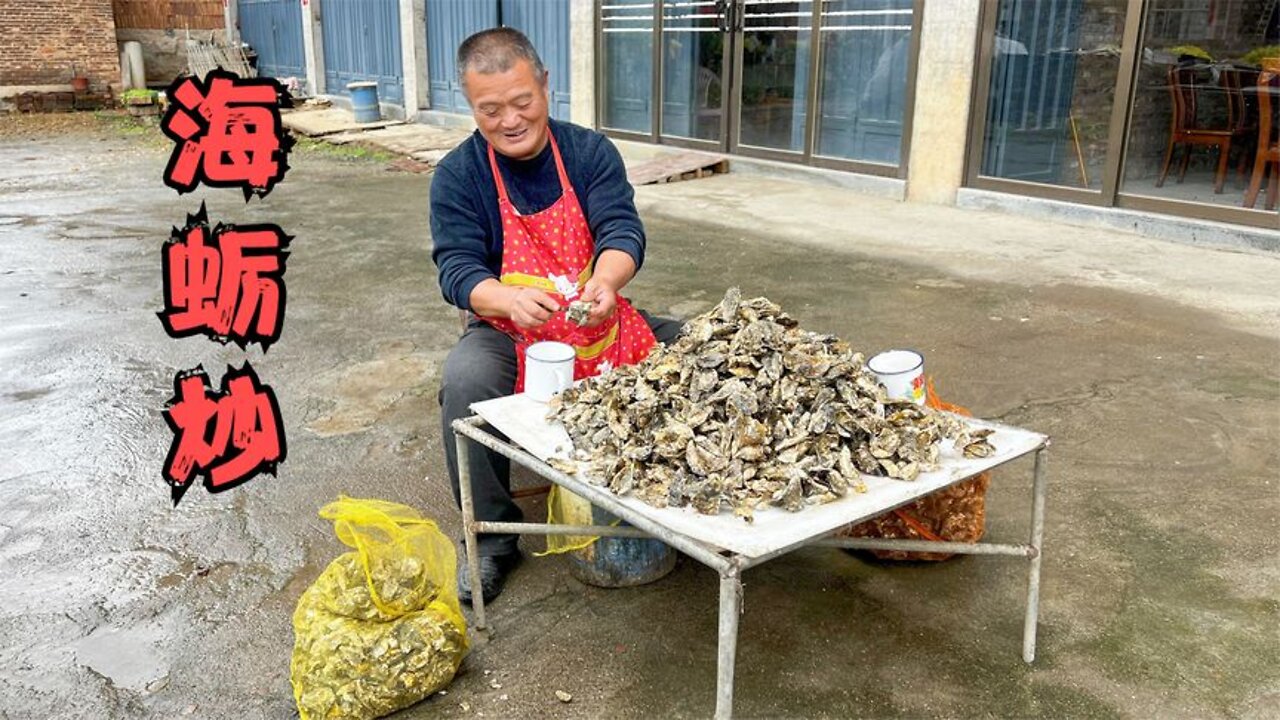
(466, 229)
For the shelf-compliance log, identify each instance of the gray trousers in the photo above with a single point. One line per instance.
(482, 366)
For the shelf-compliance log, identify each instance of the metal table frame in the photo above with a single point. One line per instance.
(728, 564)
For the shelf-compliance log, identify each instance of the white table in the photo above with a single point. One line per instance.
(726, 543)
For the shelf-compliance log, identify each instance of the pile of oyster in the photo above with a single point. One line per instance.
(353, 658)
(746, 408)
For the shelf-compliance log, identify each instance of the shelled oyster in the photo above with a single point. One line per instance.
(746, 408)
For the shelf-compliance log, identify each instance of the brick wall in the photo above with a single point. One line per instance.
(39, 41)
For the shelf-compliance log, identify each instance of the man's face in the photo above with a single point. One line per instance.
(510, 109)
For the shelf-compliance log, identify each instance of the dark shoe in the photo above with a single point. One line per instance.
(493, 573)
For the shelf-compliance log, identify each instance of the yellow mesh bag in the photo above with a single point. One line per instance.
(567, 508)
(381, 628)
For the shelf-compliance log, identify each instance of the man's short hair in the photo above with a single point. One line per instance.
(495, 50)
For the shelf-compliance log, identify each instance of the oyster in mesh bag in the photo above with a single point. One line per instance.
(745, 409)
(955, 514)
(381, 628)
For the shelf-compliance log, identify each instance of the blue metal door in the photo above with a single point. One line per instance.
(449, 22)
(273, 28)
(546, 23)
(362, 42)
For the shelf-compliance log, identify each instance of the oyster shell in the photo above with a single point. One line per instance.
(746, 408)
(579, 311)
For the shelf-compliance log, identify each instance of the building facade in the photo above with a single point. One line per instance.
(1154, 106)
(1148, 106)
(43, 45)
(1122, 108)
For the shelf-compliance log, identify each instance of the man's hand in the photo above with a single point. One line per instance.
(530, 308)
(605, 301)
(527, 307)
(613, 270)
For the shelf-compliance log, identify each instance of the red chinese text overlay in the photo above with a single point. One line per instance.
(226, 282)
(227, 436)
(228, 133)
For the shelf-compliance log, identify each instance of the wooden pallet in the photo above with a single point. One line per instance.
(674, 168)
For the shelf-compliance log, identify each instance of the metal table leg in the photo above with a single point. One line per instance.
(469, 529)
(730, 609)
(1037, 546)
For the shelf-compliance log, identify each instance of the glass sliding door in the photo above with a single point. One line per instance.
(1203, 104)
(1054, 66)
(862, 101)
(1163, 106)
(694, 35)
(626, 48)
(821, 82)
(775, 46)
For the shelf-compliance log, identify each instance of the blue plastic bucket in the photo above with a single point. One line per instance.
(620, 562)
(364, 101)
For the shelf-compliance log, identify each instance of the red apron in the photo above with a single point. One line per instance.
(552, 250)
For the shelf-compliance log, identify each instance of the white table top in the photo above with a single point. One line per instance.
(522, 420)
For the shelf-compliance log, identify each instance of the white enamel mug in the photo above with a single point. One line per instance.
(548, 369)
(902, 374)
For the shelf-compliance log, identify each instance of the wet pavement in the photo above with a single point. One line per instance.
(1160, 577)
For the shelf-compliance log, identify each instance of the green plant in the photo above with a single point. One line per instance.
(349, 151)
(139, 94)
(1258, 54)
(145, 130)
(1192, 50)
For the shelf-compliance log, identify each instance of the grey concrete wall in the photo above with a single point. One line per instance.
(413, 49)
(582, 61)
(164, 52)
(944, 86)
(231, 16)
(8, 91)
(421, 69)
(313, 46)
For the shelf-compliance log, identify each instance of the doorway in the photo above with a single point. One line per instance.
(817, 82)
(1165, 106)
(544, 22)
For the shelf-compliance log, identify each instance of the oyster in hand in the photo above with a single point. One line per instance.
(579, 311)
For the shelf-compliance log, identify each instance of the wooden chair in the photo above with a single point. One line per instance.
(1183, 128)
(1242, 115)
(1268, 144)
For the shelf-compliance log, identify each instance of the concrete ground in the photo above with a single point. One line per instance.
(1154, 366)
